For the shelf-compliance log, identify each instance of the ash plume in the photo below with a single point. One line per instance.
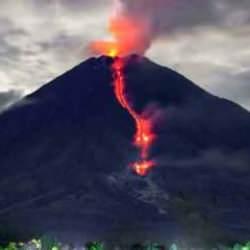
(134, 25)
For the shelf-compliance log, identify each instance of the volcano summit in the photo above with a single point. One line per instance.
(65, 151)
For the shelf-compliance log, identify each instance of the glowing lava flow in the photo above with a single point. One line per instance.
(130, 35)
(144, 136)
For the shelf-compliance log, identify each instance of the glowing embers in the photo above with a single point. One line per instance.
(144, 136)
(142, 168)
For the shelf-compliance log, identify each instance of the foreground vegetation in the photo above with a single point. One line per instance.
(46, 243)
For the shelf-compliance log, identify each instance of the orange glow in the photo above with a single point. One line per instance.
(105, 48)
(142, 168)
(129, 36)
(112, 52)
(144, 136)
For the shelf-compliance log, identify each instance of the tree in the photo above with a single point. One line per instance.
(94, 245)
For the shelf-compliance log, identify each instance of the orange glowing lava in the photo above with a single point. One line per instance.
(142, 168)
(130, 35)
(144, 136)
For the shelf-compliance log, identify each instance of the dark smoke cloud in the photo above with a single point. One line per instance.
(167, 16)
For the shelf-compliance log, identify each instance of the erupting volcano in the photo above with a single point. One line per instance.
(130, 36)
(64, 151)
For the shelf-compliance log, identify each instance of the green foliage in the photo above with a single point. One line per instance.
(246, 246)
(12, 246)
(137, 246)
(152, 246)
(94, 245)
(237, 246)
(173, 247)
(48, 243)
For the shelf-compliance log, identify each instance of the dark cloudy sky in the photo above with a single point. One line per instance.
(207, 40)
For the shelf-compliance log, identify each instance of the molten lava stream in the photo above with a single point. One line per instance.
(144, 136)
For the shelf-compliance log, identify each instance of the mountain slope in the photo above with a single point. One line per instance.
(64, 152)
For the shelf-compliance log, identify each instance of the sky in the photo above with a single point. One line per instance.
(206, 40)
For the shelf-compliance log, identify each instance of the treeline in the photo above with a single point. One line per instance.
(48, 243)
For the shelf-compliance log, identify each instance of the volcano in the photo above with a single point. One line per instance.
(65, 151)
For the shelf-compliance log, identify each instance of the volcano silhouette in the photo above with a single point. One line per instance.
(65, 151)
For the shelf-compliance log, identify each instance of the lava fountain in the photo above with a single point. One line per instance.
(130, 36)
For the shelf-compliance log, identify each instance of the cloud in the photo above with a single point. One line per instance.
(238, 88)
(171, 16)
(48, 39)
(215, 58)
(8, 97)
(205, 40)
(208, 41)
